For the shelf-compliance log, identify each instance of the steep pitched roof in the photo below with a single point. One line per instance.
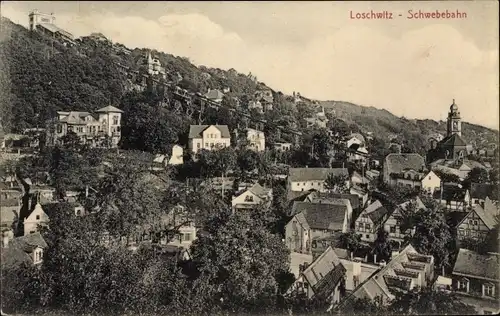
(376, 211)
(453, 140)
(321, 215)
(476, 265)
(486, 217)
(259, 190)
(110, 109)
(353, 198)
(195, 131)
(397, 163)
(74, 117)
(311, 174)
(483, 190)
(324, 273)
(451, 192)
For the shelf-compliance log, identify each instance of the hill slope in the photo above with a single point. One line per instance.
(39, 77)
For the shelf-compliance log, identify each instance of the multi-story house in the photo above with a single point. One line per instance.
(208, 137)
(370, 220)
(154, 66)
(405, 271)
(430, 182)
(252, 197)
(404, 169)
(476, 280)
(476, 224)
(316, 220)
(323, 279)
(305, 179)
(256, 140)
(99, 129)
(282, 146)
(45, 23)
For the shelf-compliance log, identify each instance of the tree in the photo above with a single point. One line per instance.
(241, 260)
(350, 241)
(429, 301)
(363, 306)
(248, 160)
(432, 236)
(337, 183)
(216, 162)
(476, 175)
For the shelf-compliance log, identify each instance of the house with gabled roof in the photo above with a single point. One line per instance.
(476, 280)
(404, 169)
(476, 224)
(208, 137)
(20, 250)
(370, 220)
(305, 179)
(316, 220)
(479, 192)
(252, 197)
(36, 218)
(316, 196)
(405, 271)
(323, 279)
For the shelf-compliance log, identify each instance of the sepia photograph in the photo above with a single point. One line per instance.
(228, 158)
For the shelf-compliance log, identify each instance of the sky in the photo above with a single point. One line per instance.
(412, 68)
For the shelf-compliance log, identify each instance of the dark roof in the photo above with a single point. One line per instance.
(397, 163)
(110, 109)
(476, 265)
(321, 215)
(328, 268)
(455, 218)
(453, 140)
(259, 190)
(483, 190)
(376, 211)
(451, 192)
(487, 217)
(19, 249)
(353, 198)
(310, 174)
(195, 131)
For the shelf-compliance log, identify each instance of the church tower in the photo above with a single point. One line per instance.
(454, 124)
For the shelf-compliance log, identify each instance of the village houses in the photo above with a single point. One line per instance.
(478, 222)
(27, 249)
(208, 137)
(404, 169)
(256, 140)
(452, 196)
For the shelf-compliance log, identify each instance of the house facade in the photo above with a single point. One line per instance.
(479, 192)
(395, 220)
(256, 140)
(282, 146)
(252, 197)
(476, 280)
(214, 95)
(99, 129)
(305, 179)
(36, 218)
(208, 137)
(430, 182)
(452, 197)
(27, 249)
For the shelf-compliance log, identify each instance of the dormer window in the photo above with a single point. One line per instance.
(463, 285)
(249, 198)
(489, 289)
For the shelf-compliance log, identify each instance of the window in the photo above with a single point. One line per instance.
(187, 236)
(367, 226)
(59, 128)
(429, 177)
(392, 229)
(367, 236)
(115, 120)
(489, 289)
(38, 217)
(249, 198)
(198, 145)
(463, 285)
